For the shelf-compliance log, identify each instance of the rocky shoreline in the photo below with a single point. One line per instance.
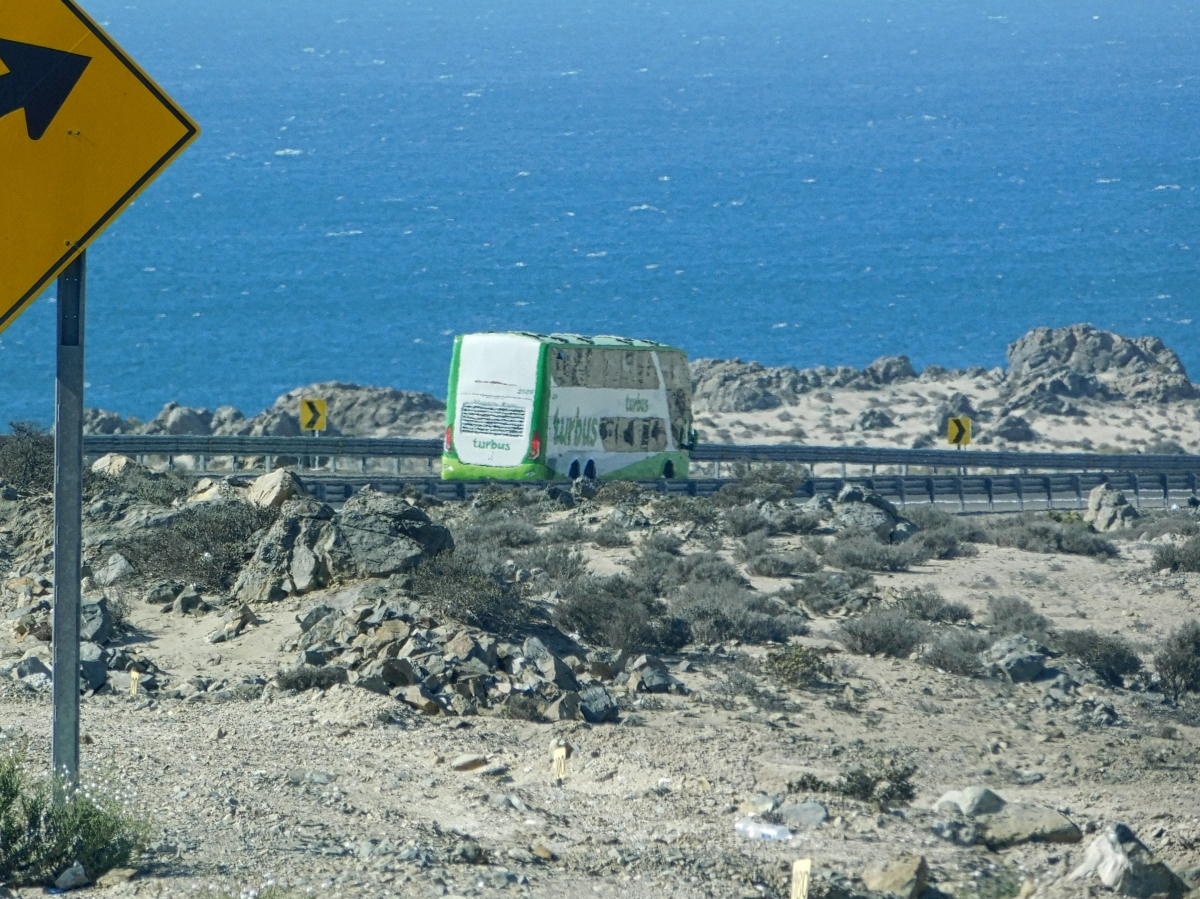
(1064, 388)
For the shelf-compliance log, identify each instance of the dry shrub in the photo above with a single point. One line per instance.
(206, 544)
(616, 611)
(719, 612)
(887, 631)
(559, 562)
(569, 531)
(1038, 533)
(1183, 524)
(884, 782)
(1112, 658)
(1013, 615)
(1185, 557)
(462, 585)
(612, 493)
(498, 528)
(1178, 661)
(784, 564)
(827, 590)
(27, 458)
(957, 652)
(611, 535)
(799, 666)
(927, 604)
(311, 677)
(743, 520)
(863, 551)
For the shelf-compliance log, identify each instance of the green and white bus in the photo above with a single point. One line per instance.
(543, 406)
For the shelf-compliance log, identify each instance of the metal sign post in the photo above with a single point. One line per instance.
(68, 517)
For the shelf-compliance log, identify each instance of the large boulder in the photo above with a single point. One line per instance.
(1109, 510)
(385, 535)
(1020, 822)
(113, 465)
(1018, 658)
(1124, 864)
(295, 556)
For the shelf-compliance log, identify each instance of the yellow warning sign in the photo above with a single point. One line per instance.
(958, 431)
(312, 414)
(83, 130)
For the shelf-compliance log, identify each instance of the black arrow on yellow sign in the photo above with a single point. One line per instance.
(312, 414)
(39, 80)
(959, 431)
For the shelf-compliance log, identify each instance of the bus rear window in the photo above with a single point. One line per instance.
(597, 368)
(496, 419)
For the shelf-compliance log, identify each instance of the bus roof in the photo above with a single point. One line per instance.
(600, 340)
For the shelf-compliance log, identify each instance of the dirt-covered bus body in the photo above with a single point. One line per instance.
(537, 407)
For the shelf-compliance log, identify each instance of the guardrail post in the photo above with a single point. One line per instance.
(930, 490)
(203, 462)
(1191, 476)
(1137, 493)
(1078, 485)
(1049, 492)
(903, 496)
(170, 463)
(904, 471)
(396, 465)
(962, 500)
(987, 485)
(1166, 486)
(1020, 492)
(362, 464)
(267, 463)
(843, 471)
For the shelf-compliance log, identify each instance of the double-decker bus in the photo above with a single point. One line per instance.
(543, 406)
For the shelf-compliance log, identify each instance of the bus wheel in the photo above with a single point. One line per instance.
(669, 469)
(573, 471)
(589, 470)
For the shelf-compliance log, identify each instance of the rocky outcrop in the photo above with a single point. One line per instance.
(353, 410)
(1049, 367)
(731, 385)
(309, 546)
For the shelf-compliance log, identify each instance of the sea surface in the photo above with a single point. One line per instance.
(793, 182)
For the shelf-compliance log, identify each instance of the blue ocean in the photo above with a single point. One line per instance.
(794, 182)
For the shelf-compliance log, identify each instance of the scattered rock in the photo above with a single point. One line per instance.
(469, 762)
(803, 814)
(970, 802)
(1124, 864)
(597, 705)
(117, 568)
(904, 877)
(72, 879)
(95, 621)
(275, 488)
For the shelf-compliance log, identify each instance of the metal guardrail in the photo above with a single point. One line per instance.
(246, 447)
(405, 447)
(1065, 480)
(978, 493)
(864, 455)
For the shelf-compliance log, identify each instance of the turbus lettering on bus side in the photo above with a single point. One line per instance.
(636, 404)
(574, 430)
(490, 444)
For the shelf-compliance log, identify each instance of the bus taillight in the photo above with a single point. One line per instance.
(535, 447)
(449, 439)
